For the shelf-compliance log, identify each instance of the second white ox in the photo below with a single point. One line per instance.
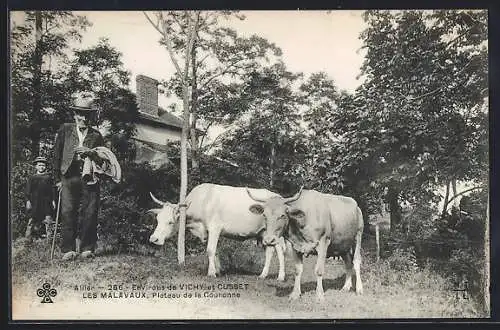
(215, 210)
(311, 220)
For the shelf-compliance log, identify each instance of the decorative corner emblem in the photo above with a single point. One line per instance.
(464, 290)
(46, 293)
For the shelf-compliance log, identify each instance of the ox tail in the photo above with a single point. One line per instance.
(357, 252)
(359, 233)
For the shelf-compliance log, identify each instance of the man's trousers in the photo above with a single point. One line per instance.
(79, 208)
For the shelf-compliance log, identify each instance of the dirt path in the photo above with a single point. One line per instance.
(387, 294)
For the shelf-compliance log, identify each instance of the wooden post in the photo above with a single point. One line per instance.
(377, 240)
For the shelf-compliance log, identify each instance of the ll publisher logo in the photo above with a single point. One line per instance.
(46, 293)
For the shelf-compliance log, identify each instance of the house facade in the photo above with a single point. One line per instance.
(155, 127)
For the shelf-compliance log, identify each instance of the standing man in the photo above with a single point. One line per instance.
(79, 200)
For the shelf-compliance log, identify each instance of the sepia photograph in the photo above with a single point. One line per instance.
(249, 165)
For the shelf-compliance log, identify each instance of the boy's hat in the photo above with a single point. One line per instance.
(40, 159)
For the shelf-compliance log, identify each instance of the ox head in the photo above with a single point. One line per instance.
(276, 212)
(167, 221)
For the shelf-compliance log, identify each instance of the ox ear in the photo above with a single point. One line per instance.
(297, 216)
(256, 209)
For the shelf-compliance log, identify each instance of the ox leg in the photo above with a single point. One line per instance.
(281, 259)
(357, 263)
(267, 263)
(320, 268)
(299, 267)
(213, 238)
(348, 271)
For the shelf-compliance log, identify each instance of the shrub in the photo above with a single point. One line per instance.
(122, 218)
(19, 178)
(451, 244)
(403, 260)
(465, 265)
(240, 257)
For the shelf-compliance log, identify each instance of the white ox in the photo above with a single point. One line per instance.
(330, 224)
(214, 210)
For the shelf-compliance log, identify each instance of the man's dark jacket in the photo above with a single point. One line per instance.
(66, 143)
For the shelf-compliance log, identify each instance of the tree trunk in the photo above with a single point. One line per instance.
(181, 253)
(194, 114)
(460, 194)
(271, 166)
(377, 241)
(192, 20)
(37, 92)
(454, 188)
(446, 196)
(395, 209)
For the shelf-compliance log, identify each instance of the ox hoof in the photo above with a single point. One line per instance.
(346, 289)
(294, 296)
(211, 274)
(262, 276)
(359, 291)
(281, 278)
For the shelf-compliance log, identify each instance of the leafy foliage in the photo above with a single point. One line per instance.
(269, 140)
(122, 218)
(19, 178)
(221, 61)
(39, 92)
(417, 121)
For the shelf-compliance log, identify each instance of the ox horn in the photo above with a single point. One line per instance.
(255, 199)
(157, 200)
(155, 211)
(294, 197)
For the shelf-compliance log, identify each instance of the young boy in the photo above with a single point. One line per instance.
(40, 202)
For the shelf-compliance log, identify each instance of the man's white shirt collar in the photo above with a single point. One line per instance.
(81, 135)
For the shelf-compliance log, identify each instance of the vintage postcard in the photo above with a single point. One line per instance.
(206, 165)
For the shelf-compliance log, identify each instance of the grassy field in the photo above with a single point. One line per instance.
(388, 293)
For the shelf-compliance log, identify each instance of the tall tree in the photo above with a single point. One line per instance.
(188, 23)
(38, 91)
(418, 120)
(220, 61)
(320, 97)
(269, 140)
(98, 72)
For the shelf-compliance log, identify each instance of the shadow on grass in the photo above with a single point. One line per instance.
(328, 284)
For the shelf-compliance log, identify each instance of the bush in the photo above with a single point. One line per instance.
(122, 218)
(403, 260)
(240, 257)
(19, 178)
(452, 245)
(467, 266)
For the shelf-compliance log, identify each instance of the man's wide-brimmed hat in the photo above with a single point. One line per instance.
(40, 159)
(84, 106)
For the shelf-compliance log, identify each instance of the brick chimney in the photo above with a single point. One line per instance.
(147, 94)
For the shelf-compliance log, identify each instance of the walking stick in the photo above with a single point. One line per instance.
(55, 226)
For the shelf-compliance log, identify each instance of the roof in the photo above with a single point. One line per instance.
(166, 119)
(170, 118)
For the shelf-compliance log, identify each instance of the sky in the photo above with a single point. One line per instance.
(311, 41)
